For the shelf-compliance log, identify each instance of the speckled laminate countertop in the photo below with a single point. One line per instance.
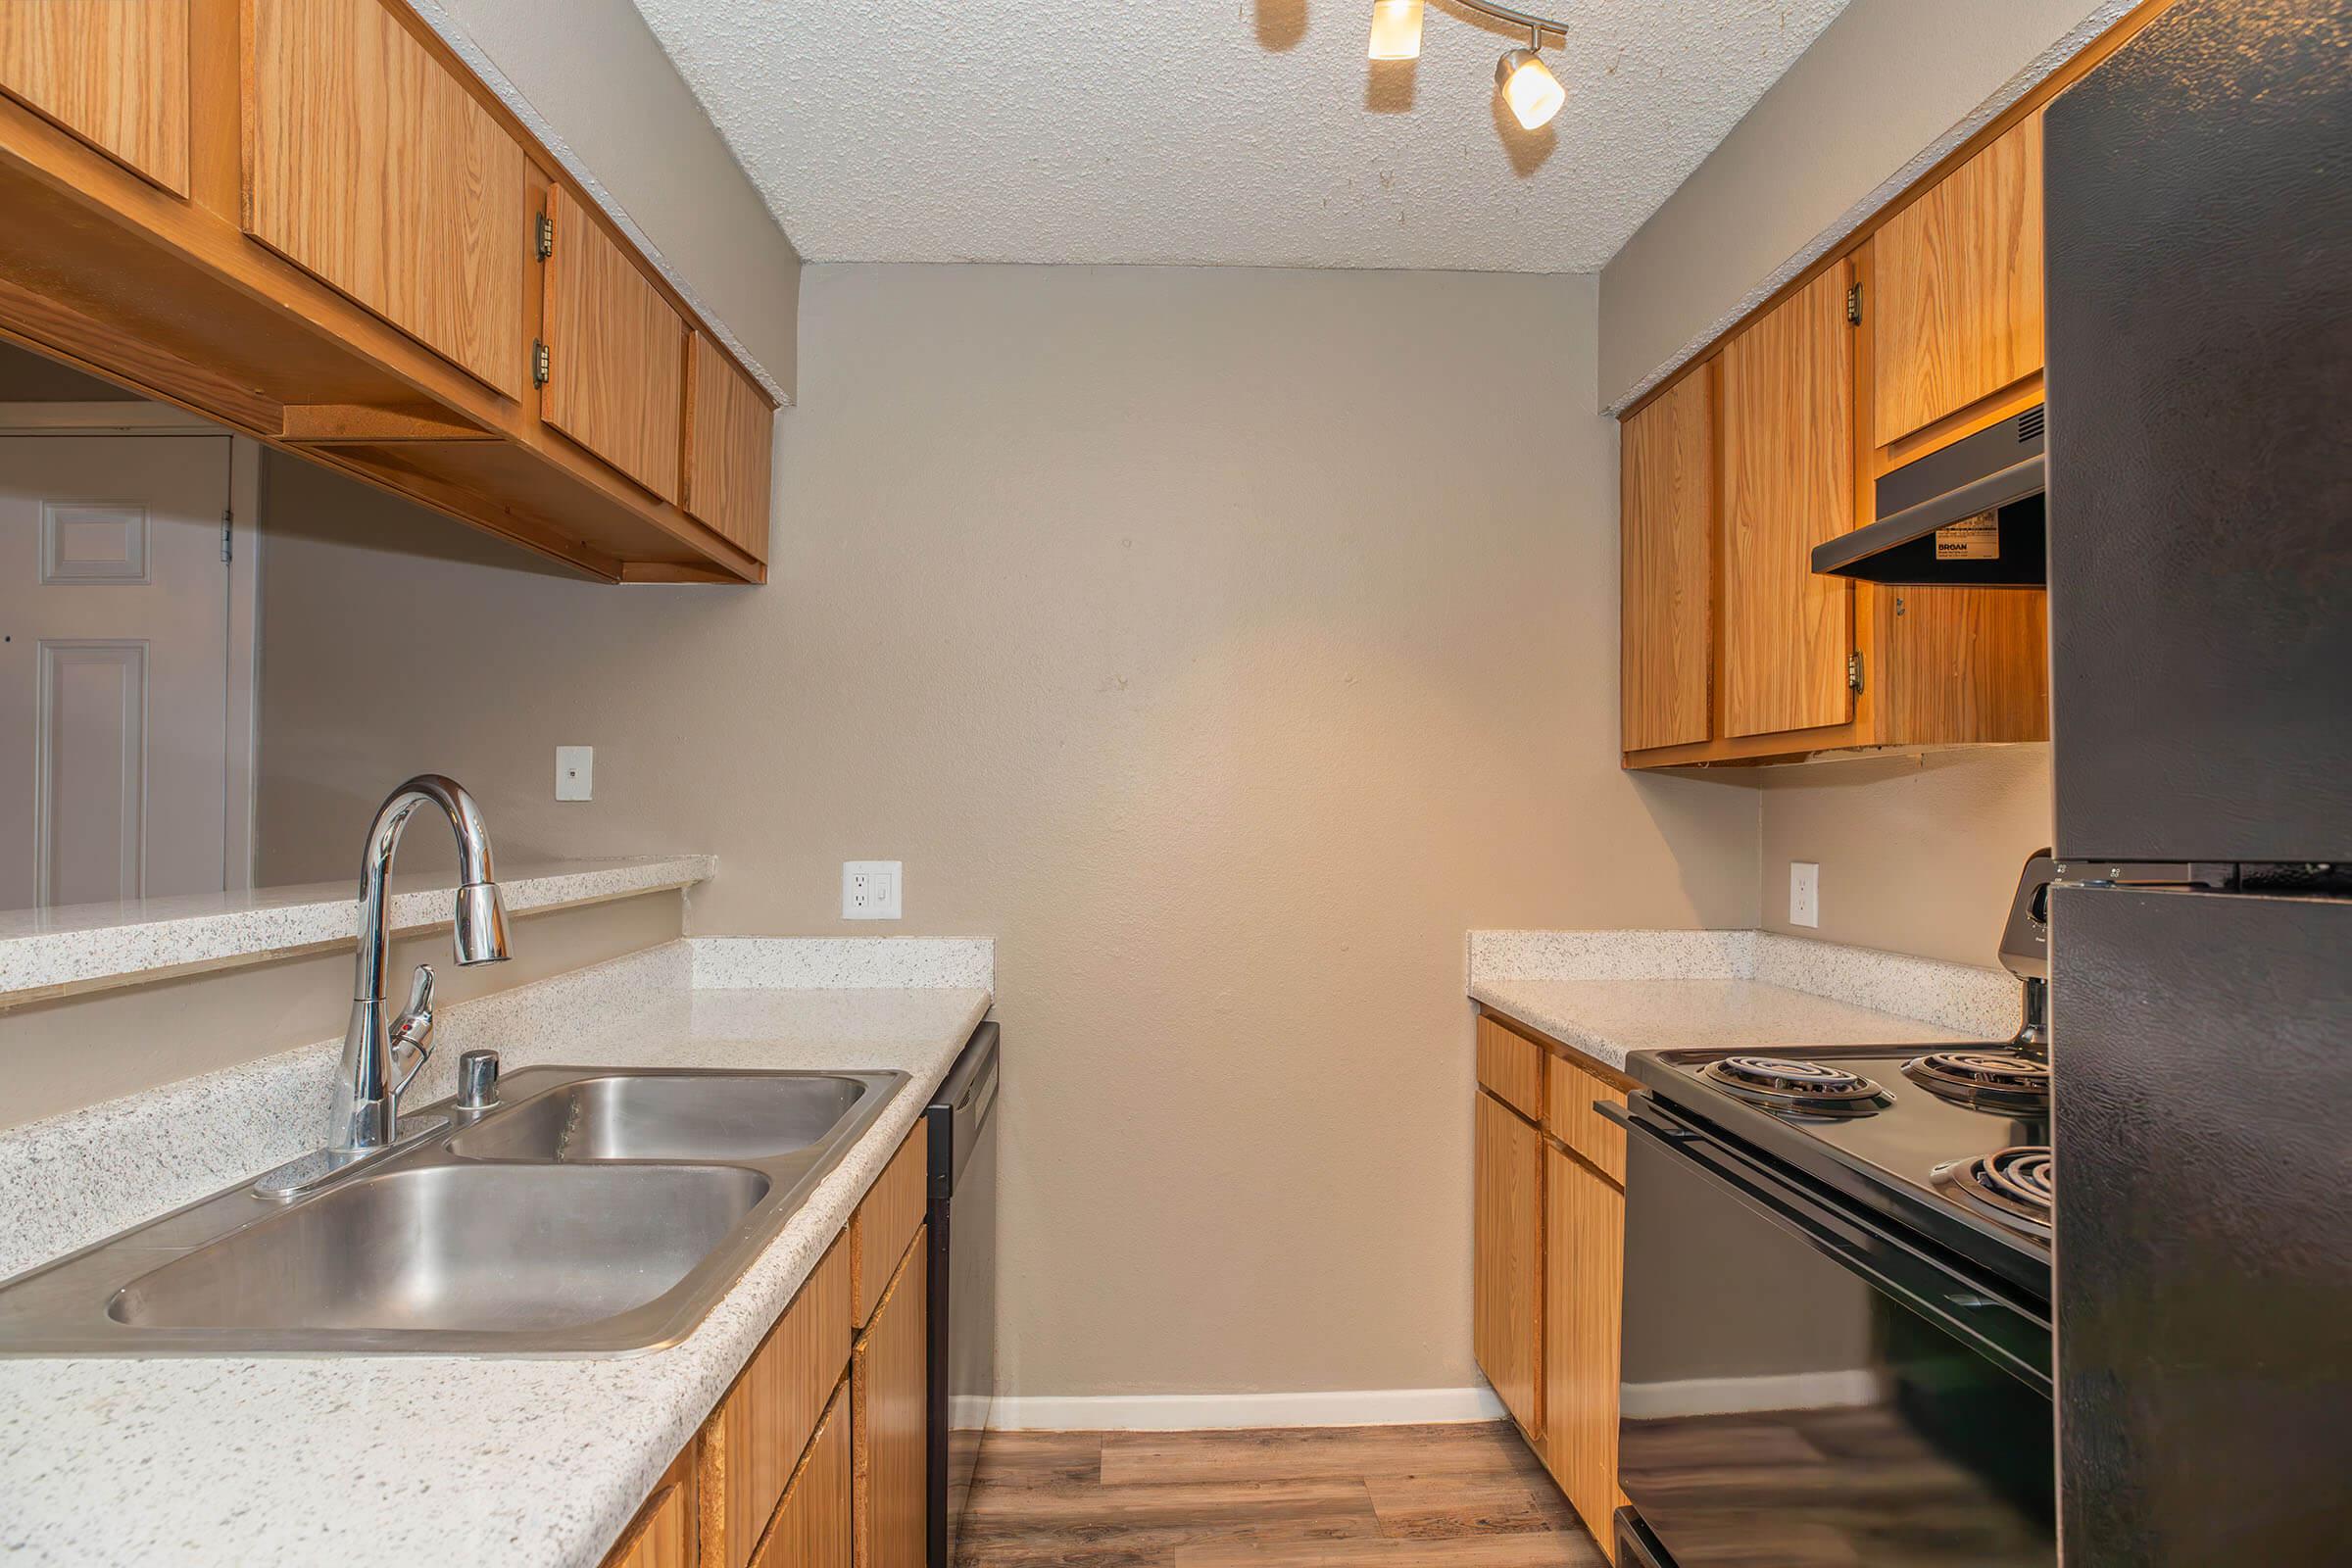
(1611, 992)
(90, 946)
(441, 1461)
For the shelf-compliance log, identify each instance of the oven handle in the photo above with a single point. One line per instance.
(1976, 1313)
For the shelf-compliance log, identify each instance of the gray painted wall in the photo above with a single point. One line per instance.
(594, 72)
(1881, 90)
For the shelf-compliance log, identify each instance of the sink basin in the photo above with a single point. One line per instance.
(487, 1249)
(593, 1211)
(706, 1117)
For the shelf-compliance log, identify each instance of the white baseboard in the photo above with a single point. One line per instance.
(1200, 1412)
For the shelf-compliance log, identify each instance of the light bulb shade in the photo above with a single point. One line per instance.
(1528, 85)
(1395, 31)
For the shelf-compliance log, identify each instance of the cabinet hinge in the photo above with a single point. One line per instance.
(547, 236)
(228, 520)
(1853, 304)
(539, 362)
(1854, 672)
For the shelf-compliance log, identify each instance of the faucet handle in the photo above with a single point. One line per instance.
(421, 992)
(413, 1030)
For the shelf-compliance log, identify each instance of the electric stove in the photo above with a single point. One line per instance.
(1952, 1143)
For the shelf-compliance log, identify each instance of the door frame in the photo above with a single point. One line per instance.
(240, 741)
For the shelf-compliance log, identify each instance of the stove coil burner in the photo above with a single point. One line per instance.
(1991, 1080)
(2016, 1186)
(1797, 1087)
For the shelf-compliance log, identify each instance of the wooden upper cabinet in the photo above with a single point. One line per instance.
(1667, 479)
(370, 166)
(1957, 315)
(1788, 485)
(115, 73)
(729, 423)
(616, 353)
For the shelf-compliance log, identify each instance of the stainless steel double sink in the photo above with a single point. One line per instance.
(592, 1211)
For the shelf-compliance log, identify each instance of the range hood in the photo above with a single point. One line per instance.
(1968, 516)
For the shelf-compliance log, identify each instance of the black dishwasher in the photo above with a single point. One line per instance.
(963, 1282)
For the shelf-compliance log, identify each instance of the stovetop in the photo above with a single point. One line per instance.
(1953, 1143)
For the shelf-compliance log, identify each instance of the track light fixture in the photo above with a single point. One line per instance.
(1535, 95)
(1528, 85)
(1395, 31)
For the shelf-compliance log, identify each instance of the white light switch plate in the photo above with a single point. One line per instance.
(871, 890)
(575, 772)
(1805, 893)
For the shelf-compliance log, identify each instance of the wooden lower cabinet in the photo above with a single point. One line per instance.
(1548, 1270)
(812, 1524)
(891, 1403)
(749, 1447)
(1584, 1275)
(662, 1536)
(1510, 1066)
(816, 1457)
(886, 1221)
(1507, 1260)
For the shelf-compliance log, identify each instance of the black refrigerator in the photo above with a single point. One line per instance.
(2199, 217)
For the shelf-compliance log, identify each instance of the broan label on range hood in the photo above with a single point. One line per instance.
(1968, 516)
(1977, 538)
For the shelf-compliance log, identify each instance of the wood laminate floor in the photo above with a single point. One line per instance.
(1443, 1496)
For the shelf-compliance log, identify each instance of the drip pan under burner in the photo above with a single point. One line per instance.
(1990, 1080)
(1796, 1088)
(2017, 1186)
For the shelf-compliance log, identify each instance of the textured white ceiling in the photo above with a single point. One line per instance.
(1248, 132)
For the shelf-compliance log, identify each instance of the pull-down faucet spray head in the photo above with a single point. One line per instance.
(479, 933)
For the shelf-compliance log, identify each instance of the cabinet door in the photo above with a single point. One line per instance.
(112, 73)
(885, 1224)
(812, 1528)
(1506, 1314)
(370, 166)
(1667, 487)
(891, 1400)
(1584, 1275)
(752, 1442)
(1788, 485)
(1958, 280)
(616, 353)
(663, 1536)
(730, 423)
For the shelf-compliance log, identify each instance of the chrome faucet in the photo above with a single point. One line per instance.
(366, 1106)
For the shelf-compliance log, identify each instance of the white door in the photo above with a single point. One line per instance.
(114, 668)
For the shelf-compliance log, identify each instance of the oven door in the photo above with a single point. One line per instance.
(1801, 1385)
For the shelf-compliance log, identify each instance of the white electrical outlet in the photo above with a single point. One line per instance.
(575, 772)
(869, 890)
(1805, 893)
